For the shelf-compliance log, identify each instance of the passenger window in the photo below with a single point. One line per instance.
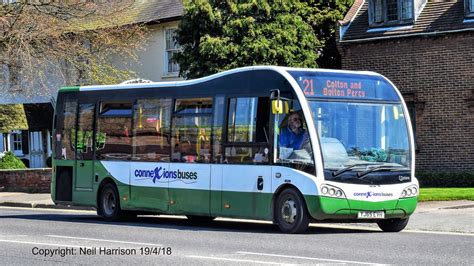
(193, 106)
(152, 130)
(191, 130)
(247, 131)
(218, 129)
(114, 131)
(66, 131)
(84, 148)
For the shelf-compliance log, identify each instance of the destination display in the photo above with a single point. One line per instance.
(322, 86)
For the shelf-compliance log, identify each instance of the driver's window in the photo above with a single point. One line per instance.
(293, 144)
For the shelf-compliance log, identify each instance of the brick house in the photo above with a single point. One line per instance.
(427, 49)
(32, 143)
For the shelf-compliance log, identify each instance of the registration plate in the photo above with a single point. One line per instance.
(371, 215)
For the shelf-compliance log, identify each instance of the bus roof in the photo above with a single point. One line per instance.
(211, 77)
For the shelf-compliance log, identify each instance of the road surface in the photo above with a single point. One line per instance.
(41, 236)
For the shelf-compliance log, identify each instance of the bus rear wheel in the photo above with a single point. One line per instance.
(291, 213)
(393, 225)
(109, 203)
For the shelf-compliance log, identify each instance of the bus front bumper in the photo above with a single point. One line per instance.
(326, 208)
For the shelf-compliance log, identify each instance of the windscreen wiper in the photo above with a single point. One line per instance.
(343, 170)
(378, 168)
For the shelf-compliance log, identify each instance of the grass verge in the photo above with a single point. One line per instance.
(431, 194)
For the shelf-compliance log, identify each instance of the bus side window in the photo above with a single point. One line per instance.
(191, 130)
(247, 131)
(114, 131)
(217, 130)
(66, 130)
(151, 130)
(293, 141)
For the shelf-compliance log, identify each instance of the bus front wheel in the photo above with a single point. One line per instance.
(291, 214)
(109, 203)
(393, 225)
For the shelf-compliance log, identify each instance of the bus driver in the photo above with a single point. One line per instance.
(294, 135)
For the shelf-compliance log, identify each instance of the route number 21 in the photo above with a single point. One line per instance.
(308, 87)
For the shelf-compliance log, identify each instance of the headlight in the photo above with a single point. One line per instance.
(324, 190)
(332, 191)
(410, 191)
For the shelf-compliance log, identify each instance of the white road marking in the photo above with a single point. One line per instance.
(41, 244)
(105, 240)
(234, 260)
(303, 258)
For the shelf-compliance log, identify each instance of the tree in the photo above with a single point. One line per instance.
(65, 41)
(323, 18)
(12, 117)
(217, 35)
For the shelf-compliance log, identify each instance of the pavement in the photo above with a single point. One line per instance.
(433, 216)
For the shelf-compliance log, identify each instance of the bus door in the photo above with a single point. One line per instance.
(84, 148)
(246, 173)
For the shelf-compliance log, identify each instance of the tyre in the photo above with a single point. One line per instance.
(200, 219)
(109, 203)
(393, 225)
(290, 213)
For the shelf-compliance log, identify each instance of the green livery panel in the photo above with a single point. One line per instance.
(323, 208)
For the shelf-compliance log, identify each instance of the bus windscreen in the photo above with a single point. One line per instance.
(344, 86)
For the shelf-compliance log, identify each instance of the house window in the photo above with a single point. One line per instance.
(390, 11)
(17, 143)
(172, 47)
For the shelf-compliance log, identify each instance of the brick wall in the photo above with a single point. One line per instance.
(26, 180)
(436, 75)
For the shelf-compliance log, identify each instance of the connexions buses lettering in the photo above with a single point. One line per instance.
(372, 194)
(160, 172)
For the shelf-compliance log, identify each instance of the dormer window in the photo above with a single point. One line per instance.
(469, 7)
(391, 12)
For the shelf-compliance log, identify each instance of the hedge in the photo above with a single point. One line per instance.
(10, 161)
(445, 179)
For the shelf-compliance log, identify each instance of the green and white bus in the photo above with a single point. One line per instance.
(224, 146)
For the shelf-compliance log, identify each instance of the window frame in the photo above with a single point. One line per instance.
(176, 115)
(99, 114)
(134, 124)
(385, 22)
(173, 50)
(254, 144)
(19, 142)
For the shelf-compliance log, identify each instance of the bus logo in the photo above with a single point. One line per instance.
(370, 194)
(160, 174)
